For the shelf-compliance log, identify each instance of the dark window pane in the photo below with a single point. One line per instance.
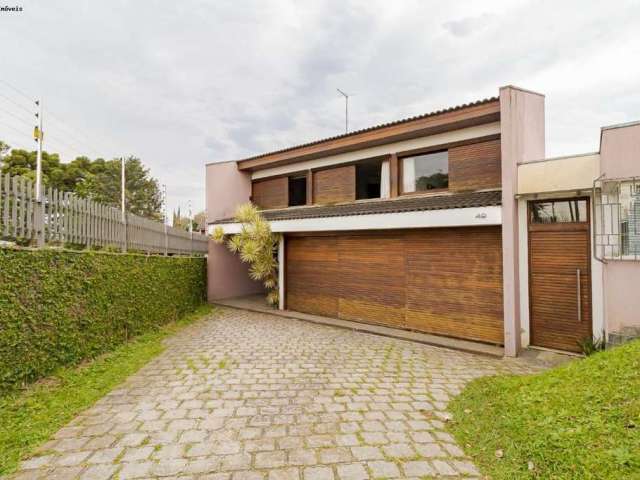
(297, 191)
(368, 178)
(425, 172)
(559, 211)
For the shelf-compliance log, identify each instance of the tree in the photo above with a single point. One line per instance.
(4, 149)
(198, 221)
(142, 192)
(256, 245)
(97, 179)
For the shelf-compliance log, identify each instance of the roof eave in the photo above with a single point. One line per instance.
(478, 113)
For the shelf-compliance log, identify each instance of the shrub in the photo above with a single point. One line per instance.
(256, 245)
(59, 307)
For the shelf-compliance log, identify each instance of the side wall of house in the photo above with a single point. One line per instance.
(522, 140)
(620, 158)
(226, 188)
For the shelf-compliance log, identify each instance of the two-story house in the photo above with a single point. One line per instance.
(451, 223)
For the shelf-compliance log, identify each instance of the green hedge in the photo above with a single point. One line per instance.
(59, 307)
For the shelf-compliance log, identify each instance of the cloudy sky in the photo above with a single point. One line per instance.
(184, 83)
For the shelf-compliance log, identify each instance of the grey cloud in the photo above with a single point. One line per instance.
(468, 25)
(182, 84)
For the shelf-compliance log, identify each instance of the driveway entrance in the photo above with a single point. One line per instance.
(255, 396)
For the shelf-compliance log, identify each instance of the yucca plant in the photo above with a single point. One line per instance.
(256, 245)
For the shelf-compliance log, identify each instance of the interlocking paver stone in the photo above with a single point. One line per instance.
(249, 396)
(367, 453)
(318, 473)
(418, 468)
(383, 469)
(352, 471)
(98, 472)
(64, 473)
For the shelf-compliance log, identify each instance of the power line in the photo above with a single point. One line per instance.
(17, 90)
(74, 132)
(84, 144)
(15, 129)
(69, 145)
(30, 123)
(19, 105)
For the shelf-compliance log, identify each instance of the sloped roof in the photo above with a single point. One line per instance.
(375, 127)
(398, 205)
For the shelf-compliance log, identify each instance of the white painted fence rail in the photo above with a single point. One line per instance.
(62, 218)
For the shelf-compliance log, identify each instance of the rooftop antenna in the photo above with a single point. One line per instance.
(346, 110)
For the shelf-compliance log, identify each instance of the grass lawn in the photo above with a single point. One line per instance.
(577, 421)
(28, 418)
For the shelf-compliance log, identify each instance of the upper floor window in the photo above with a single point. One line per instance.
(426, 172)
(369, 179)
(297, 190)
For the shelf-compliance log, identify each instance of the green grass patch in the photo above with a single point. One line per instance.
(577, 421)
(30, 417)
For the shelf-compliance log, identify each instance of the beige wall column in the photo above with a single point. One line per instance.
(522, 139)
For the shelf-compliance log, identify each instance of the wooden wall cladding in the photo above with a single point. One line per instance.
(475, 166)
(311, 271)
(272, 193)
(555, 252)
(334, 185)
(372, 278)
(454, 282)
(441, 281)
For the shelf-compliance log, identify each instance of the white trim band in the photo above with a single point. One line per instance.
(453, 217)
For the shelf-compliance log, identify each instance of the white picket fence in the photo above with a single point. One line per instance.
(63, 218)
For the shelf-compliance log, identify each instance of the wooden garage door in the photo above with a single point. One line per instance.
(441, 281)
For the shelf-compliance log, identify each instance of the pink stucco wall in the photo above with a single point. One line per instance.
(226, 188)
(522, 140)
(620, 158)
(227, 276)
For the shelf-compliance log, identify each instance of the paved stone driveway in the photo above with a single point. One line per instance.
(246, 396)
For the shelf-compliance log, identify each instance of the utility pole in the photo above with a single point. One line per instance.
(346, 110)
(123, 200)
(164, 218)
(190, 229)
(39, 137)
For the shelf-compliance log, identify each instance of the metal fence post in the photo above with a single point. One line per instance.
(124, 232)
(166, 240)
(39, 222)
(66, 218)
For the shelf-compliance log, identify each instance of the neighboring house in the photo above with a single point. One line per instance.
(451, 223)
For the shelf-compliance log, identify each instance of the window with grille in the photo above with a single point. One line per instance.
(617, 218)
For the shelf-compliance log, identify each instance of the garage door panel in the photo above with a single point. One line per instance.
(470, 327)
(313, 249)
(454, 283)
(440, 281)
(372, 270)
(311, 270)
(372, 311)
(326, 305)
